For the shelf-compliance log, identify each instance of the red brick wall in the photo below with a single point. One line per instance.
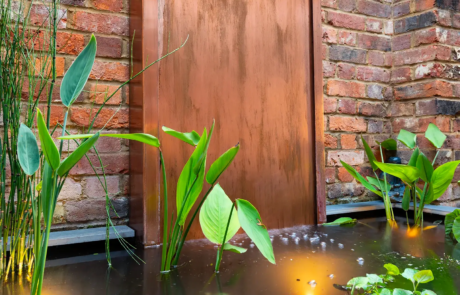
(388, 65)
(82, 201)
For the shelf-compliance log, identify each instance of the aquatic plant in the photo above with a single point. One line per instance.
(452, 225)
(220, 223)
(341, 221)
(377, 284)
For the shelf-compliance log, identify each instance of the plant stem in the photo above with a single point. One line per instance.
(220, 252)
(165, 213)
(388, 206)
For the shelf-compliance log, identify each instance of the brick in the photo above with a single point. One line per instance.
(446, 107)
(371, 74)
(420, 124)
(329, 35)
(401, 42)
(349, 21)
(113, 119)
(421, 5)
(415, 22)
(350, 124)
(80, 3)
(328, 69)
(342, 53)
(429, 70)
(85, 211)
(401, 109)
(444, 18)
(448, 4)
(329, 3)
(66, 43)
(456, 128)
(330, 141)
(113, 164)
(329, 174)
(346, 38)
(110, 71)
(426, 36)
(94, 189)
(57, 114)
(373, 8)
(347, 106)
(424, 108)
(401, 75)
(401, 9)
(374, 25)
(100, 23)
(324, 51)
(110, 5)
(346, 5)
(108, 144)
(374, 42)
(419, 55)
(388, 27)
(453, 38)
(372, 109)
(71, 190)
(344, 175)
(452, 142)
(346, 88)
(375, 126)
(341, 190)
(41, 69)
(379, 92)
(348, 141)
(409, 124)
(418, 90)
(346, 71)
(349, 157)
(109, 47)
(456, 20)
(99, 92)
(40, 16)
(330, 105)
(376, 58)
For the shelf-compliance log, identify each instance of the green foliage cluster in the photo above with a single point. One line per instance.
(452, 225)
(377, 284)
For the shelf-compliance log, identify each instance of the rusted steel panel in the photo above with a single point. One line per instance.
(248, 65)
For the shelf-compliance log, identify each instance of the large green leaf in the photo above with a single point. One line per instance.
(385, 291)
(141, 137)
(222, 163)
(370, 154)
(407, 138)
(441, 179)
(392, 269)
(76, 77)
(76, 155)
(425, 167)
(50, 150)
(389, 144)
(424, 276)
(374, 279)
(358, 282)
(214, 216)
(456, 229)
(435, 136)
(192, 138)
(406, 173)
(28, 154)
(360, 178)
(235, 249)
(414, 157)
(406, 199)
(47, 192)
(251, 222)
(409, 274)
(449, 221)
(379, 183)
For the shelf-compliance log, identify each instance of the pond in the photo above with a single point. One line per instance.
(310, 260)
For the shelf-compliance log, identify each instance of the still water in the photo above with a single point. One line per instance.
(310, 260)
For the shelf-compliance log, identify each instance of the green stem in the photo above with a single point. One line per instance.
(220, 252)
(388, 206)
(165, 213)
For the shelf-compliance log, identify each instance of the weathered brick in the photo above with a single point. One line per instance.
(351, 124)
(110, 71)
(388, 27)
(346, 38)
(371, 74)
(401, 9)
(421, 5)
(329, 3)
(66, 43)
(373, 8)
(347, 106)
(329, 173)
(401, 75)
(57, 114)
(420, 124)
(108, 117)
(110, 5)
(341, 190)
(346, 5)
(113, 164)
(349, 21)
(349, 157)
(94, 189)
(401, 42)
(419, 55)
(99, 92)
(43, 69)
(71, 190)
(40, 16)
(429, 70)
(417, 90)
(346, 71)
(109, 47)
(372, 109)
(374, 42)
(344, 175)
(375, 126)
(329, 35)
(426, 36)
(348, 141)
(456, 20)
(401, 109)
(330, 141)
(346, 88)
(415, 22)
(342, 53)
(330, 105)
(80, 3)
(376, 58)
(374, 25)
(379, 92)
(445, 18)
(100, 23)
(85, 211)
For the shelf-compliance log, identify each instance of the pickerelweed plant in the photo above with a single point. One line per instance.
(377, 284)
(424, 184)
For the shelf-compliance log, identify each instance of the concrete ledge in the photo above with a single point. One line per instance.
(378, 205)
(88, 235)
(433, 209)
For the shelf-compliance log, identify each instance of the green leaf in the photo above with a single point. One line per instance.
(409, 274)
(47, 196)
(221, 164)
(424, 276)
(414, 157)
(392, 269)
(76, 77)
(49, 148)
(370, 154)
(425, 167)
(192, 138)
(456, 229)
(141, 137)
(358, 282)
(385, 291)
(401, 292)
(340, 221)
(435, 136)
(389, 144)
(76, 155)
(449, 221)
(28, 154)
(428, 292)
(379, 183)
(360, 178)
(406, 199)
(374, 279)
(235, 249)
(407, 138)
(214, 216)
(408, 174)
(251, 222)
(441, 179)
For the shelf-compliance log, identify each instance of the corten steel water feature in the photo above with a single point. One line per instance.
(250, 65)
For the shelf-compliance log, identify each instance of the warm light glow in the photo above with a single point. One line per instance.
(413, 232)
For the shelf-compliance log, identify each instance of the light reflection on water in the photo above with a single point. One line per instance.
(307, 265)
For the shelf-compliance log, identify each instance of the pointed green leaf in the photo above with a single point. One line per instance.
(424, 276)
(49, 148)
(406, 173)
(414, 157)
(456, 228)
(441, 179)
(76, 155)
(406, 199)
(222, 163)
(47, 197)
(251, 222)
(435, 136)
(409, 274)
(192, 138)
(425, 168)
(214, 216)
(407, 138)
(449, 221)
(340, 221)
(360, 178)
(141, 137)
(379, 183)
(76, 77)
(235, 249)
(389, 144)
(370, 154)
(392, 269)
(28, 154)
